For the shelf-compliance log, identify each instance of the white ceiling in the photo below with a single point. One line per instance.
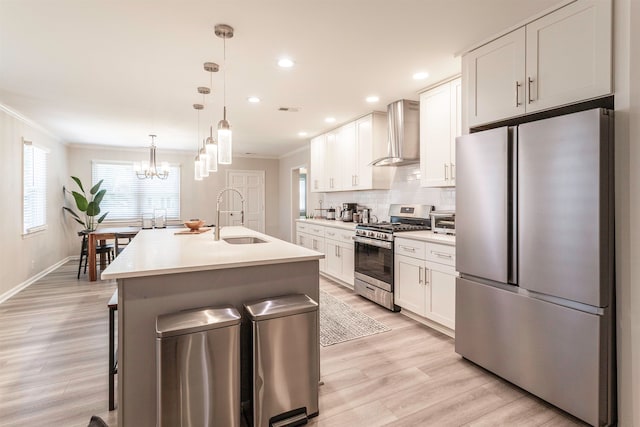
(112, 72)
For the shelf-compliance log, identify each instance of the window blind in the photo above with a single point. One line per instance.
(34, 179)
(128, 197)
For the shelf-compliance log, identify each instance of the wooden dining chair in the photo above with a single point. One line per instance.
(106, 249)
(122, 240)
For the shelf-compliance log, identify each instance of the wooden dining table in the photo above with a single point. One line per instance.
(101, 235)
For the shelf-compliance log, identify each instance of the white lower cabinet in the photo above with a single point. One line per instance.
(422, 286)
(339, 254)
(337, 246)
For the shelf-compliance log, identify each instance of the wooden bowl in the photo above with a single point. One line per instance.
(194, 224)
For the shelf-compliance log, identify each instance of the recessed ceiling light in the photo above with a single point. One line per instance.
(330, 119)
(285, 63)
(253, 99)
(373, 99)
(302, 134)
(421, 75)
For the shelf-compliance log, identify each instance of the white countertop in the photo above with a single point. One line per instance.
(161, 251)
(428, 236)
(331, 223)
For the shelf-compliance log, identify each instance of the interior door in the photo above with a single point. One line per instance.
(251, 185)
(483, 217)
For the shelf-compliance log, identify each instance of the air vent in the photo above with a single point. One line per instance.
(289, 109)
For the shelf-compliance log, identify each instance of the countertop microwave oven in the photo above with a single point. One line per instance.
(443, 222)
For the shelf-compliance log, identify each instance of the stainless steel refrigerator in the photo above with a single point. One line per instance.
(535, 253)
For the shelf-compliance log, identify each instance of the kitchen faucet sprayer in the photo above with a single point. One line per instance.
(218, 211)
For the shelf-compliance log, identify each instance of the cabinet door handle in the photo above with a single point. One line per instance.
(407, 248)
(419, 275)
(427, 272)
(446, 170)
(357, 179)
(442, 255)
(330, 233)
(453, 171)
(529, 82)
(518, 103)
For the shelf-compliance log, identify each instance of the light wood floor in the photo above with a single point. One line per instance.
(53, 368)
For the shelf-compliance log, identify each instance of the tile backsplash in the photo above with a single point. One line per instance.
(405, 188)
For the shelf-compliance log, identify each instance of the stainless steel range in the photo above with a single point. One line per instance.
(374, 251)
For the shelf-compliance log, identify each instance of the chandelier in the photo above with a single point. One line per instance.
(150, 170)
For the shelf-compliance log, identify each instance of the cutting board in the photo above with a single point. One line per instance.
(198, 231)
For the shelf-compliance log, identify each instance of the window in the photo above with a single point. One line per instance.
(34, 184)
(128, 197)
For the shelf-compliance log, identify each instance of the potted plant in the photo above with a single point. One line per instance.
(90, 207)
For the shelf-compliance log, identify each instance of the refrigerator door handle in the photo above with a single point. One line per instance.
(512, 272)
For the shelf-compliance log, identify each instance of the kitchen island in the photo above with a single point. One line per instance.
(161, 272)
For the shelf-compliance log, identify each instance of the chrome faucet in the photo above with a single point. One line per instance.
(218, 211)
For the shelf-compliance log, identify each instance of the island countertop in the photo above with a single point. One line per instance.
(161, 251)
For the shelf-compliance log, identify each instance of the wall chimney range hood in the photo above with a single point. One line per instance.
(403, 118)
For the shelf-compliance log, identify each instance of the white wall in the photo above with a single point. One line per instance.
(22, 258)
(294, 160)
(197, 198)
(627, 93)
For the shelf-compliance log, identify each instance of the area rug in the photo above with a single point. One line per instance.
(339, 322)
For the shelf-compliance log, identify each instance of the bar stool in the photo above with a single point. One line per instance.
(113, 356)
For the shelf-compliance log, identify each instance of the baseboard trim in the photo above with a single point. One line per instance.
(427, 322)
(11, 292)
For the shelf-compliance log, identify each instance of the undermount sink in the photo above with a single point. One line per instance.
(246, 240)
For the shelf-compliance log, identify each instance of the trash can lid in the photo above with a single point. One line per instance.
(196, 320)
(280, 306)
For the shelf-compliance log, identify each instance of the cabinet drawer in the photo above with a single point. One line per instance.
(443, 254)
(339, 234)
(411, 248)
(302, 227)
(316, 230)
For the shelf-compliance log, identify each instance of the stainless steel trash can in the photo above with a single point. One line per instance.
(286, 360)
(198, 368)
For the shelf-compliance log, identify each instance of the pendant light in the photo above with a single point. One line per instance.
(211, 145)
(197, 168)
(225, 144)
(203, 156)
(150, 170)
(212, 150)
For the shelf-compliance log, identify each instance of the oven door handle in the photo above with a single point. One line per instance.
(373, 242)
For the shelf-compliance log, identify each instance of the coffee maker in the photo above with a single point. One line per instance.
(348, 210)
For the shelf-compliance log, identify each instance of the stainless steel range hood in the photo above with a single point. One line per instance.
(404, 142)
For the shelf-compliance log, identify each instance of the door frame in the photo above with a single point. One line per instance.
(294, 185)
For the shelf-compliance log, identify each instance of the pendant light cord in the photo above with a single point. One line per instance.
(224, 93)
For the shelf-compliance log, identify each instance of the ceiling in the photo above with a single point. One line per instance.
(112, 72)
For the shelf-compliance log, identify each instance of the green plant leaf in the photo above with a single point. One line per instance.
(81, 201)
(102, 218)
(71, 212)
(79, 221)
(93, 209)
(77, 180)
(96, 187)
(98, 197)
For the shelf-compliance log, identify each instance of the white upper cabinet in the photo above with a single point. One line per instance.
(440, 124)
(558, 59)
(318, 149)
(496, 79)
(343, 162)
(569, 55)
